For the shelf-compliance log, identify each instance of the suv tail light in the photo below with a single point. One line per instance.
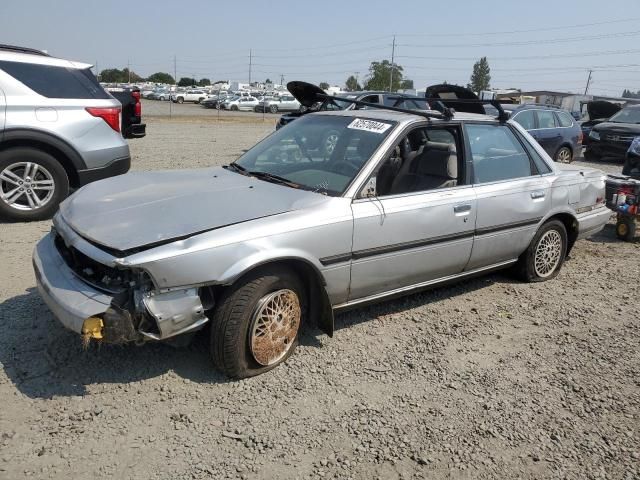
(138, 106)
(580, 138)
(111, 115)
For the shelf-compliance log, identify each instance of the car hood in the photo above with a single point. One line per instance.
(601, 109)
(628, 128)
(306, 93)
(447, 94)
(144, 209)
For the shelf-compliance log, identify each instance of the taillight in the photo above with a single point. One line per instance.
(137, 109)
(111, 115)
(580, 138)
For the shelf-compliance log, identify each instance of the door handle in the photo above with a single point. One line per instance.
(462, 208)
(537, 194)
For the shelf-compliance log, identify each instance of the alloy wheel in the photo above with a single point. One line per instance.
(548, 252)
(564, 155)
(26, 186)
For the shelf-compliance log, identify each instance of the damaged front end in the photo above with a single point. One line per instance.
(93, 294)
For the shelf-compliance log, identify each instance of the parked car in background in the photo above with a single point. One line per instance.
(240, 103)
(611, 139)
(59, 130)
(161, 95)
(555, 130)
(212, 101)
(597, 112)
(195, 96)
(284, 103)
(404, 202)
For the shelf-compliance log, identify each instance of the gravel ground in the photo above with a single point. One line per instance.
(490, 378)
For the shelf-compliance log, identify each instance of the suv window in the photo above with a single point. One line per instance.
(546, 119)
(425, 159)
(497, 154)
(526, 119)
(564, 119)
(56, 82)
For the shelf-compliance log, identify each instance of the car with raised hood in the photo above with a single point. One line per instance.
(597, 111)
(404, 201)
(59, 130)
(610, 140)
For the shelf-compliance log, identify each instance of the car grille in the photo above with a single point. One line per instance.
(102, 277)
(612, 137)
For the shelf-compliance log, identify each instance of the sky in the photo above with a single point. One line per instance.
(546, 44)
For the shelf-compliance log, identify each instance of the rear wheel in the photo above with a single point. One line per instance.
(273, 108)
(32, 184)
(256, 323)
(234, 108)
(564, 155)
(545, 255)
(626, 228)
(180, 100)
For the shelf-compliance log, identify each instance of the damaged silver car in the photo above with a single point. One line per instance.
(291, 233)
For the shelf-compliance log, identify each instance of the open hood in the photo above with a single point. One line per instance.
(602, 109)
(448, 94)
(306, 93)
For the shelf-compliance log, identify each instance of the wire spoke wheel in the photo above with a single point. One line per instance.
(274, 326)
(548, 253)
(26, 186)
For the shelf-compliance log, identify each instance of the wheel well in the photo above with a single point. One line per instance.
(571, 224)
(66, 163)
(320, 311)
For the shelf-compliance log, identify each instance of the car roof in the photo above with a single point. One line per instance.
(382, 114)
(15, 54)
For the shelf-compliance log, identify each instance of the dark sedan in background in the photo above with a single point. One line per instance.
(554, 129)
(611, 140)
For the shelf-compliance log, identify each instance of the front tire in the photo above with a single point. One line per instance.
(234, 108)
(32, 184)
(273, 108)
(180, 100)
(256, 323)
(545, 255)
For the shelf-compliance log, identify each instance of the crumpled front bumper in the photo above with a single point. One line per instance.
(70, 299)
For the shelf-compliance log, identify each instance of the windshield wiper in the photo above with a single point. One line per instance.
(237, 168)
(270, 177)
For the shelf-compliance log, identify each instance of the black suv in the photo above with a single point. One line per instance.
(612, 139)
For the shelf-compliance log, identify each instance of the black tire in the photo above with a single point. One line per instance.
(180, 100)
(45, 161)
(234, 108)
(200, 100)
(526, 266)
(273, 108)
(230, 342)
(161, 99)
(302, 109)
(328, 143)
(563, 155)
(626, 228)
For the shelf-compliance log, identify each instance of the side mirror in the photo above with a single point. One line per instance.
(369, 190)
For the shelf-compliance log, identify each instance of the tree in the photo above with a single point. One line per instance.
(204, 82)
(113, 75)
(160, 77)
(352, 84)
(268, 81)
(324, 85)
(186, 82)
(481, 76)
(630, 94)
(406, 84)
(380, 75)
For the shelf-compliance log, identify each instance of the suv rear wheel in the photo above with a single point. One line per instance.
(32, 184)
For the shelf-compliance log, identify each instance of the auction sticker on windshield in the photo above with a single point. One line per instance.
(369, 125)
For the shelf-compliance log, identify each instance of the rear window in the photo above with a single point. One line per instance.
(56, 82)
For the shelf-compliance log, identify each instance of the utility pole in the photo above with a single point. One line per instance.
(250, 61)
(393, 55)
(129, 70)
(281, 79)
(586, 89)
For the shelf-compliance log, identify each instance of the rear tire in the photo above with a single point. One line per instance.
(180, 100)
(563, 155)
(545, 255)
(256, 323)
(273, 108)
(234, 108)
(43, 180)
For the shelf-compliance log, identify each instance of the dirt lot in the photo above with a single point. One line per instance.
(491, 378)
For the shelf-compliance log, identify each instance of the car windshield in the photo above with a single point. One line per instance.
(627, 115)
(321, 153)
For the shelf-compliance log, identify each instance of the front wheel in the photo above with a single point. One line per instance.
(545, 255)
(273, 108)
(255, 325)
(234, 108)
(32, 184)
(626, 228)
(180, 100)
(564, 155)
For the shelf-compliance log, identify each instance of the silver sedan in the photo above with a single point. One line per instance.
(291, 232)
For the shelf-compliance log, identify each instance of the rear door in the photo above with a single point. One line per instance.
(512, 196)
(548, 134)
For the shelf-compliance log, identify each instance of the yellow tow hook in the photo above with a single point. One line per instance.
(91, 328)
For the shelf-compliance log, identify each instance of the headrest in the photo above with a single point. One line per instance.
(439, 160)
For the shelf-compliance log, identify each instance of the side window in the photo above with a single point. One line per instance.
(425, 159)
(368, 99)
(546, 119)
(56, 82)
(526, 119)
(564, 119)
(497, 154)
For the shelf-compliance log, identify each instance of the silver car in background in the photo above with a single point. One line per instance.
(283, 103)
(290, 233)
(59, 129)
